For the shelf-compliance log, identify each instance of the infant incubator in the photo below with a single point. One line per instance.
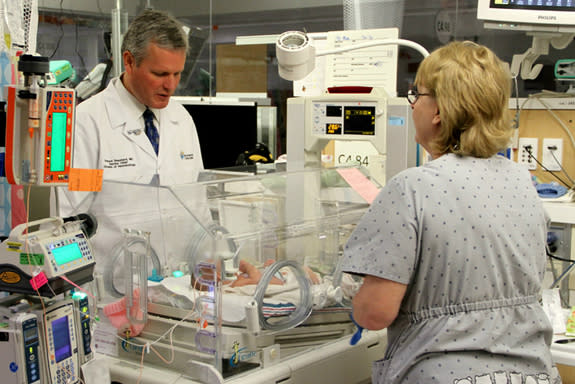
(230, 275)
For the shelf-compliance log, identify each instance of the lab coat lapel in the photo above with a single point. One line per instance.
(135, 132)
(169, 138)
(129, 123)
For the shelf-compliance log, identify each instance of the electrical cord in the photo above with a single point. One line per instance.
(538, 97)
(552, 256)
(77, 41)
(61, 31)
(554, 115)
(552, 151)
(529, 152)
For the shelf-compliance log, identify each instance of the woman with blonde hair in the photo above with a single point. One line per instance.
(453, 252)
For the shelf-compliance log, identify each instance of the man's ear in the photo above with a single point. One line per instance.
(129, 60)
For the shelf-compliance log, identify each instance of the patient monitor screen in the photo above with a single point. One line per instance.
(567, 5)
(343, 118)
(359, 121)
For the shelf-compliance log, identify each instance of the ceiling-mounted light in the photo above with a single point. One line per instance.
(296, 54)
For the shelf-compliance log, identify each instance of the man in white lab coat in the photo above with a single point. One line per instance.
(112, 134)
(110, 127)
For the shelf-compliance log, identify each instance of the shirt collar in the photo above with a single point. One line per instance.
(134, 107)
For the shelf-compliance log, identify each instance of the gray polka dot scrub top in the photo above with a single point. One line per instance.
(467, 236)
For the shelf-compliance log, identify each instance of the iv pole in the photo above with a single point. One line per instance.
(119, 20)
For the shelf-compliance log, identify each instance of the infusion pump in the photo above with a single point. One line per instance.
(20, 349)
(46, 345)
(61, 362)
(38, 255)
(39, 127)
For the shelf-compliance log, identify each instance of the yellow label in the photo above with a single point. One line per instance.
(14, 247)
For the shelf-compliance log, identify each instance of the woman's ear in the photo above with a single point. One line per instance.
(436, 118)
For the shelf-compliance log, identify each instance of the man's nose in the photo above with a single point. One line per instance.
(171, 82)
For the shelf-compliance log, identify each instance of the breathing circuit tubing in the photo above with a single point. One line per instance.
(304, 308)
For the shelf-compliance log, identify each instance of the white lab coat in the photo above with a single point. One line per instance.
(110, 135)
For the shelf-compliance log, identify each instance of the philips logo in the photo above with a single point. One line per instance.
(547, 18)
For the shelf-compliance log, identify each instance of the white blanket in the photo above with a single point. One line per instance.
(279, 300)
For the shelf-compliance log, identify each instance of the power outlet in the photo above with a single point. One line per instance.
(527, 145)
(552, 154)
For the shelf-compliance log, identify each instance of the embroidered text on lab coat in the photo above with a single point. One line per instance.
(119, 163)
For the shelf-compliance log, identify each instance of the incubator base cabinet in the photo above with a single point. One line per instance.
(231, 278)
(334, 362)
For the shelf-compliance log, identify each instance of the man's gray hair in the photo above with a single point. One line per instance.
(157, 27)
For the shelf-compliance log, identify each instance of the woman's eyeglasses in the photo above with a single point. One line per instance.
(413, 95)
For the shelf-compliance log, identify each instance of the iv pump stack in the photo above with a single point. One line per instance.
(39, 127)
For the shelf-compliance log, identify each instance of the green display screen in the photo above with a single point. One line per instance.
(58, 153)
(67, 253)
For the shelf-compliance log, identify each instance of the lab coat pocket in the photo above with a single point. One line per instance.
(379, 371)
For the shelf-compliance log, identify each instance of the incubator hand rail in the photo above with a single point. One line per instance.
(117, 253)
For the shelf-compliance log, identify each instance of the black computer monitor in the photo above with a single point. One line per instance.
(225, 130)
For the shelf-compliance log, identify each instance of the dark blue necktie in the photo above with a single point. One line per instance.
(151, 130)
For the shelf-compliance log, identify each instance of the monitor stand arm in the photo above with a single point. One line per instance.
(540, 46)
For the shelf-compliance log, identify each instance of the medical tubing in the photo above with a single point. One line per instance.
(302, 311)
(562, 169)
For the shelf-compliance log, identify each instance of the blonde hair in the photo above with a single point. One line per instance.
(472, 87)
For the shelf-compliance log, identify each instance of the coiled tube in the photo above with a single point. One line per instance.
(304, 308)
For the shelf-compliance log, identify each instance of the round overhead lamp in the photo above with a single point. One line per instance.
(295, 54)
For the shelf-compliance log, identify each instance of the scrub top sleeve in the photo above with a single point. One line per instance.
(384, 243)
